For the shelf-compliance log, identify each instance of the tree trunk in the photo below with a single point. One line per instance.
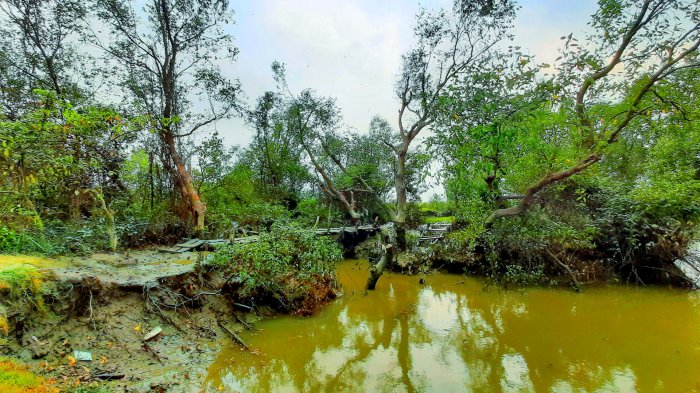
(547, 180)
(110, 226)
(111, 230)
(189, 193)
(377, 270)
(74, 205)
(401, 199)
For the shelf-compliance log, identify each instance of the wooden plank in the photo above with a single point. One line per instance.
(173, 249)
(217, 241)
(187, 243)
(249, 239)
(193, 243)
(430, 237)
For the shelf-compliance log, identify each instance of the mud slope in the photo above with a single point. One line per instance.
(108, 303)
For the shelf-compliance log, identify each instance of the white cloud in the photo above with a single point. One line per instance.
(339, 49)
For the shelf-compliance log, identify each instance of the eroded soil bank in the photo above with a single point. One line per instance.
(108, 303)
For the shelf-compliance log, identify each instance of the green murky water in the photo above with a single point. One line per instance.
(452, 335)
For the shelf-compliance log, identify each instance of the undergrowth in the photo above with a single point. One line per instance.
(289, 267)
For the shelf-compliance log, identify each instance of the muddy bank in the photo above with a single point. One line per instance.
(107, 304)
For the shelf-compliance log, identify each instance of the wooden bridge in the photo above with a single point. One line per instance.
(203, 244)
(435, 232)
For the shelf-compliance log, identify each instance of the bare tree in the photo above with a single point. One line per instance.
(38, 45)
(338, 160)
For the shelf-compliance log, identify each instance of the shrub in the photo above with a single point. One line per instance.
(25, 242)
(261, 214)
(520, 276)
(288, 266)
(414, 215)
(309, 209)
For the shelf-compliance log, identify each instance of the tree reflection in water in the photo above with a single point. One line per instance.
(453, 335)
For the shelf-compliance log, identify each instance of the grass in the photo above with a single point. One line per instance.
(432, 220)
(13, 261)
(22, 280)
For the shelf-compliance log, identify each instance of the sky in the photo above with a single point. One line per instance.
(351, 49)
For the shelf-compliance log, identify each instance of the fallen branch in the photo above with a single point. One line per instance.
(244, 323)
(568, 269)
(233, 335)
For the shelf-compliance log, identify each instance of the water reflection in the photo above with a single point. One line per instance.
(451, 335)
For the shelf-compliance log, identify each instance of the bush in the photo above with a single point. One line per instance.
(414, 215)
(26, 242)
(261, 215)
(289, 267)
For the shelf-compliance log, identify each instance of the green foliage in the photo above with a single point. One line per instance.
(414, 215)
(260, 214)
(285, 264)
(527, 239)
(519, 276)
(309, 209)
(29, 242)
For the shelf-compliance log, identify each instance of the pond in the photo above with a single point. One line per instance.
(455, 334)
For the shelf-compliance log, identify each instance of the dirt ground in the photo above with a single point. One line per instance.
(107, 303)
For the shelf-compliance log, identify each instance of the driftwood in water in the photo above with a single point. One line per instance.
(377, 270)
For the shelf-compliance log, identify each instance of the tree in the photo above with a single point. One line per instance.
(486, 122)
(659, 38)
(275, 154)
(337, 158)
(38, 49)
(39, 151)
(170, 55)
(214, 161)
(448, 46)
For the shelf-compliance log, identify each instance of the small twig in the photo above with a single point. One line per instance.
(94, 325)
(149, 349)
(243, 305)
